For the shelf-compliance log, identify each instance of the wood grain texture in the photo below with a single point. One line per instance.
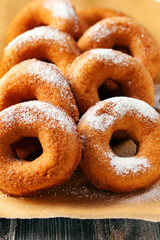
(68, 229)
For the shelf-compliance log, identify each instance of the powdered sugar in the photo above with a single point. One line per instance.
(124, 105)
(60, 8)
(125, 165)
(151, 194)
(48, 34)
(117, 108)
(98, 32)
(110, 56)
(48, 73)
(85, 191)
(29, 113)
(99, 122)
(79, 188)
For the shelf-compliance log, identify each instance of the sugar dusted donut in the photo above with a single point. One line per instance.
(43, 43)
(105, 169)
(123, 31)
(56, 13)
(91, 16)
(92, 68)
(33, 79)
(56, 132)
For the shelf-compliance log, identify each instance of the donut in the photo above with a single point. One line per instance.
(37, 80)
(57, 133)
(91, 16)
(59, 14)
(99, 163)
(44, 43)
(89, 71)
(123, 31)
(33, 79)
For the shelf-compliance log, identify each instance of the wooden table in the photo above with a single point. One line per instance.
(65, 228)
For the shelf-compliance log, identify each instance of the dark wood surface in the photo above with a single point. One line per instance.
(68, 229)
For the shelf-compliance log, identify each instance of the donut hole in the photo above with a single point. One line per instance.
(45, 60)
(109, 89)
(122, 49)
(158, 110)
(27, 148)
(34, 24)
(34, 155)
(122, 144)
(27, 100)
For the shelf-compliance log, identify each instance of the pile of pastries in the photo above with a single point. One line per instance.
(69, 82)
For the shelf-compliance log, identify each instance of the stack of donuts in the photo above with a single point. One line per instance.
(69, 81)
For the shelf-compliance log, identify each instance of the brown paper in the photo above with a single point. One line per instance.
(77, 198)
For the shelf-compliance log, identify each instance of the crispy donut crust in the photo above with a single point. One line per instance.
(56, 132)
(33, 79)
(92, 68)
(43, 43)
(91, 16)
(56, 13)
(105, 169)
(126, 32)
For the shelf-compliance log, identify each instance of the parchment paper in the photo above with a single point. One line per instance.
(77, 198)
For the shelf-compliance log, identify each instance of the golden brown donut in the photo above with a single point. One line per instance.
(33, 79)
(44, 43)
(92, 68)
(56, 132)
(105, 169)
(91, 16)
(36, 80)
(56, 13)
(123, 31)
